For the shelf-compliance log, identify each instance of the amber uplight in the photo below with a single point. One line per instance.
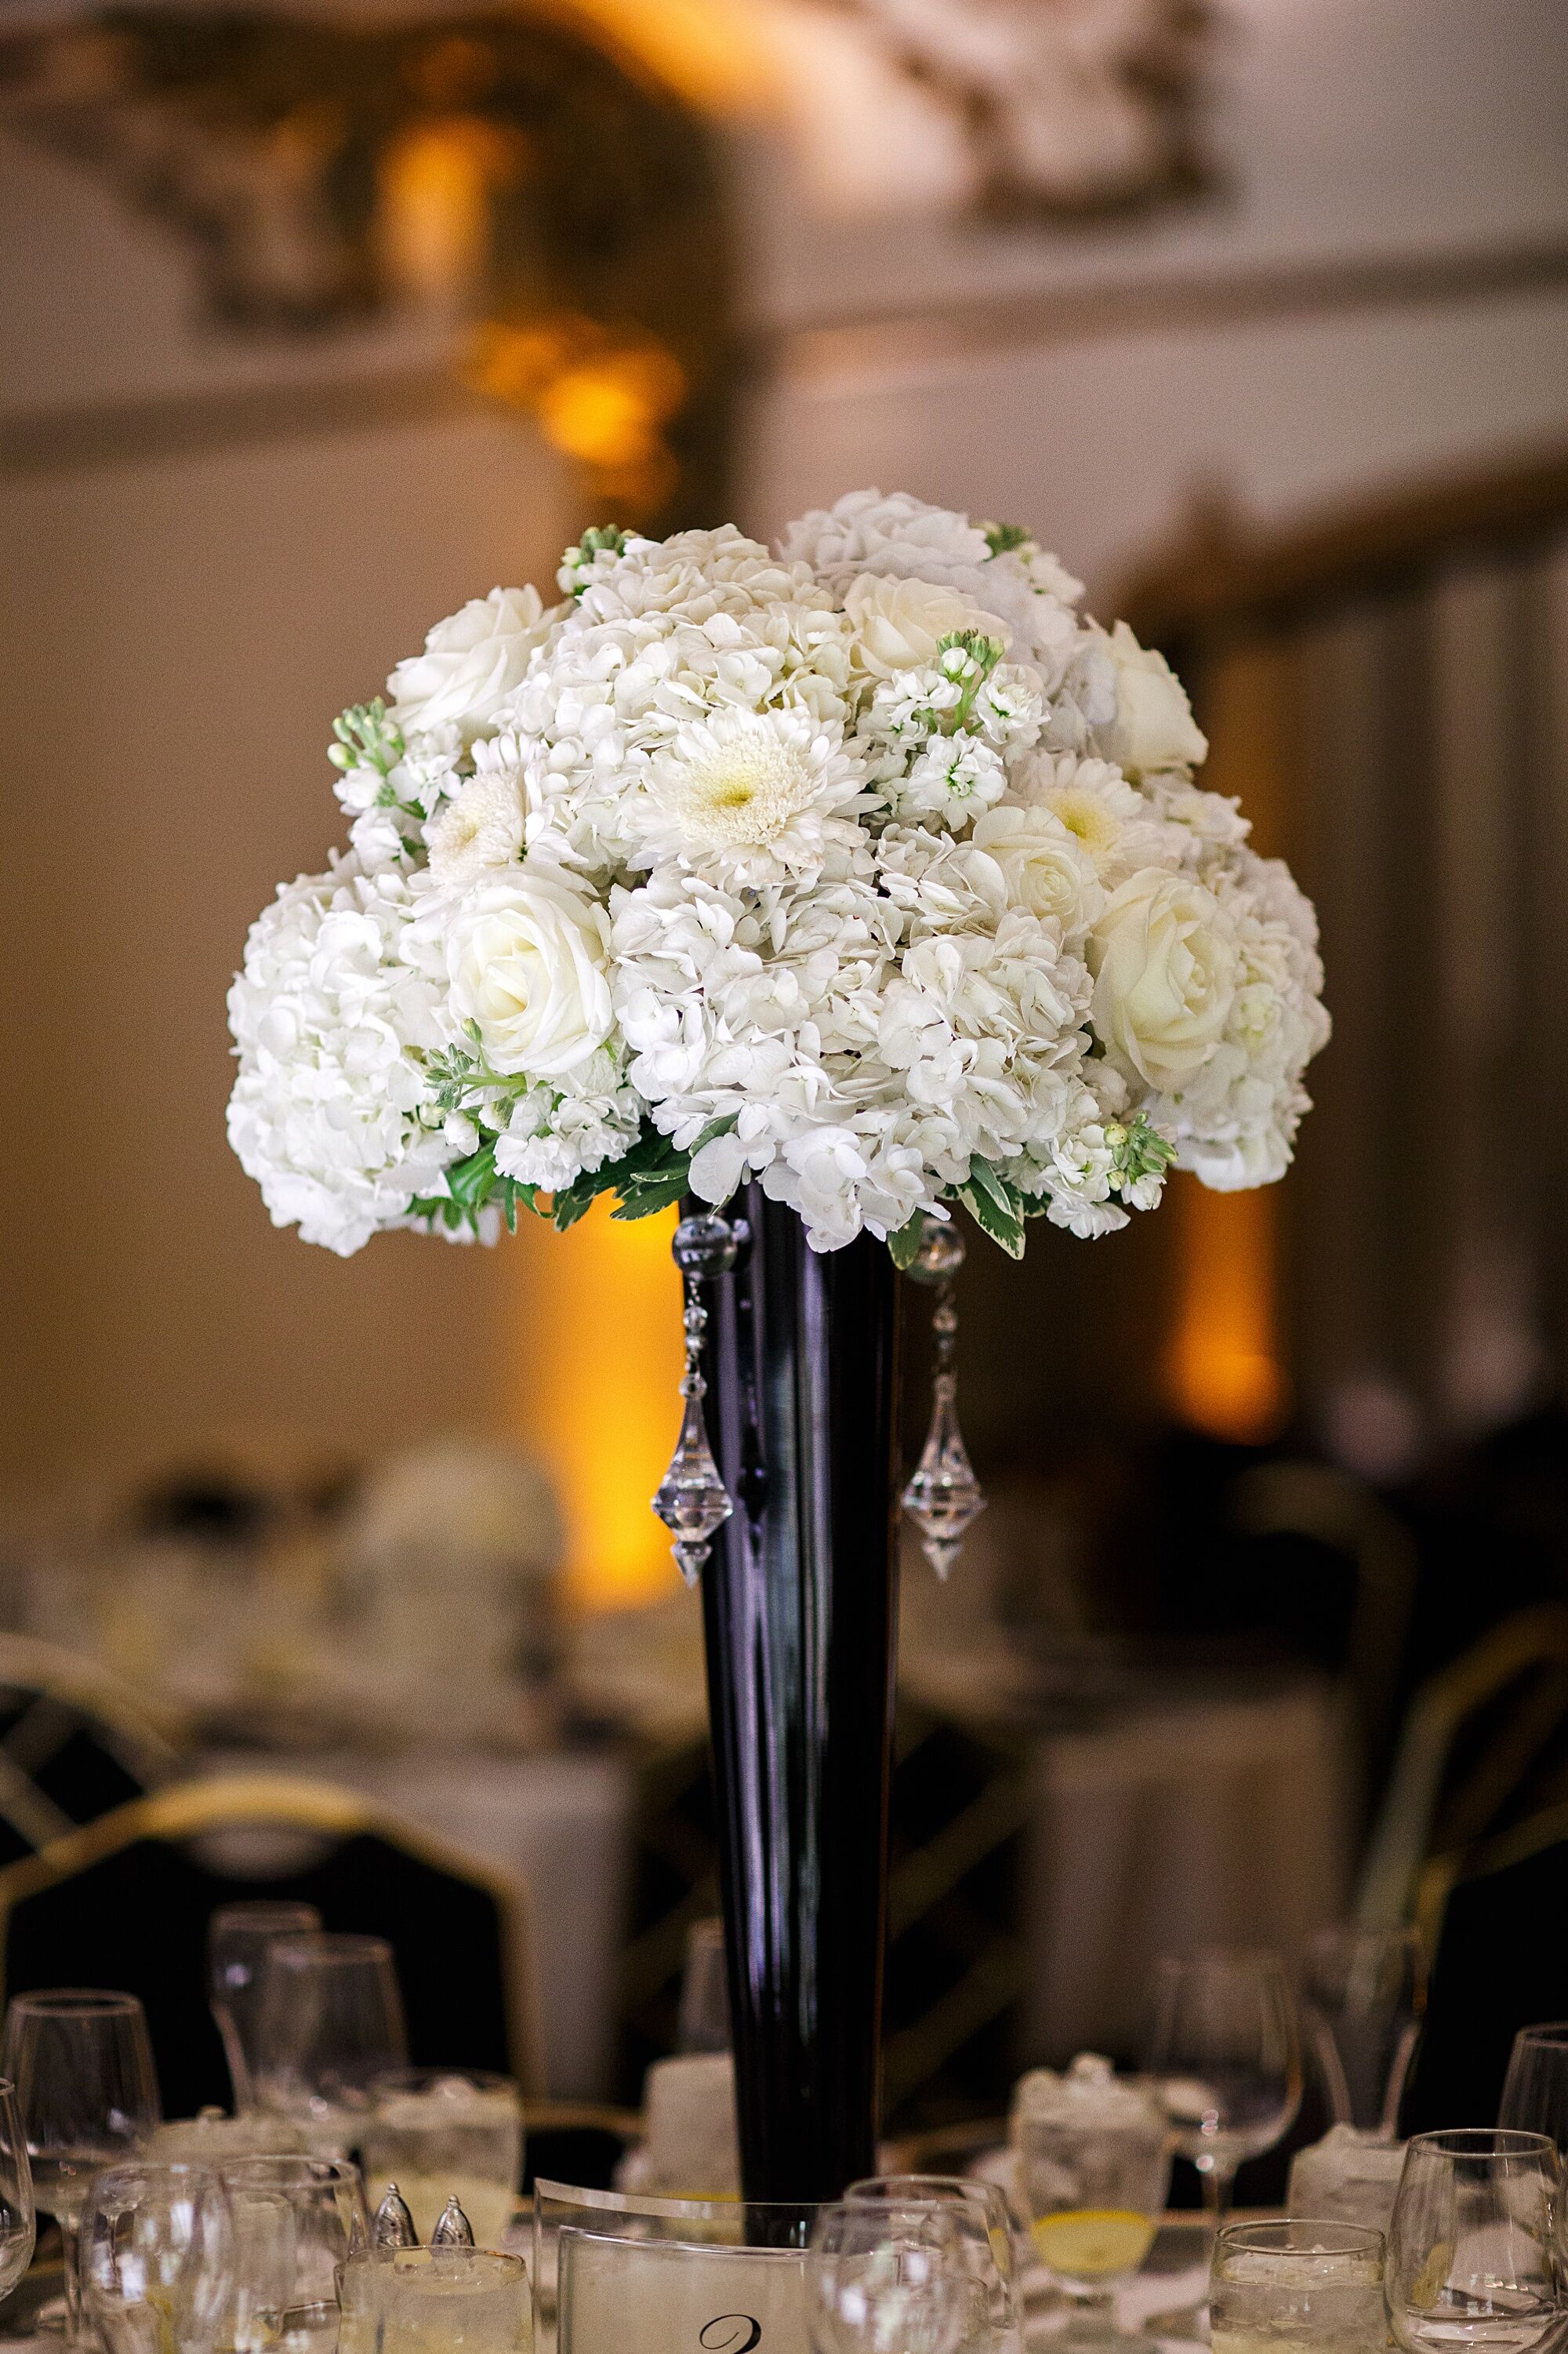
(1223, 1370)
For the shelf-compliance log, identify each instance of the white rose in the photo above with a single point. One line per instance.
(898, 624)
(1164, 958)
(528, 959)
(1154, 729)
(1047, 868)
(471, 659)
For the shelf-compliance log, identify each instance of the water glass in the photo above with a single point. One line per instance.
(1363, 1993)
(297, 2220)
(1469, 2249)
(979, 2213)
(1297, 2287)
(436, 2301)
(87, 2096)
(1535, 2090)
(17, 2223)
(157, 2259)
(1094, 2189)
(440, 2132)
(887, 2279)
(704, 2023)
(1223, 2039)
(238, 1938)
(330, 2022)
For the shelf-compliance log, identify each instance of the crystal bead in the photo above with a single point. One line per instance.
(454, 2229)
(693, 1502)
(941, 1252)
(393, 2226)
(707, 1247)
(944, 1498)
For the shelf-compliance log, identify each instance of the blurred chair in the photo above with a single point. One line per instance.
(1493, 1916)
(74, 1745)
(126, 1901)
(1474, 1736)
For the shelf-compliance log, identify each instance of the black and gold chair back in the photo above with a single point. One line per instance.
(73, 1745)
(126, 1903)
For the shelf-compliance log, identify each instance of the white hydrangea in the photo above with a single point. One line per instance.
(331, 1112)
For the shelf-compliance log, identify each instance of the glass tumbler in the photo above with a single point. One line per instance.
(1296, 2286)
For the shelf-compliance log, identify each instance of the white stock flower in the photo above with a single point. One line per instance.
(1046, 867)
(898, 624)
(1154, 729)
(1163, 955)
(471, 662)
(748, 798)
(527, 961)
(330, 1111)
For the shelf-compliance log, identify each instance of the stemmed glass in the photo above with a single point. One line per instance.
(86, 2094)
(19, 2227)
(1223, 2039)
(1470, 2258)
(157, 2259)
(297, 2220)
(979, 2213)
(1094, 2180)
(1363, 1993)
(887, 2279)
(238, 1939)
(330, 2022)
(1535, 2090)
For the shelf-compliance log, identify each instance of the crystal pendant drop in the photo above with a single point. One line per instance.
(393, 2226)
(454, 2229)
(693, 1500)
(943, 1497)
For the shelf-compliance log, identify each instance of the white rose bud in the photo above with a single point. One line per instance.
(1047, 868)
(898, 624)
(471, 661)
(1154, 729)
(528, 961)
(1164, 961)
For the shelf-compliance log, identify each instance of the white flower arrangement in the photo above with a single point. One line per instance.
(868, 869)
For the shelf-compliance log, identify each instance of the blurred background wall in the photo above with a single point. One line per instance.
(315, 325)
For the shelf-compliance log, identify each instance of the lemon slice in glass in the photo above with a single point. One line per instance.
(1094, 2242)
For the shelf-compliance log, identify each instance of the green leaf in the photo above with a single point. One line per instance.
(904, 1248)
(991, 1204)
(644, 1201)
(471, 1181)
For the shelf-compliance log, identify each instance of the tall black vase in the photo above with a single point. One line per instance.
(799, 1618)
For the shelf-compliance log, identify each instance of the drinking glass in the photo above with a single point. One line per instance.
(238, 1937)
(1223, 2039)
(157, 2259)
(1095, 2190)
(436, 2301)
(704, 1991)
(330, 2022)
(1363, 1993)
(297, 2220)
(887, 2279)
(87, 2095)
(979, 2213)
(1535, 2090)
(17, 2223)
(439, 2131)
(1298, 2287)
(1469, 2248)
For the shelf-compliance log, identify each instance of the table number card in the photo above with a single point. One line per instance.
(652, 2297)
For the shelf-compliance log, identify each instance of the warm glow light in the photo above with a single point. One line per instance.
(598, 1364)
(434, 189)
(1223, 1370)
(602, 399)
(703, 49)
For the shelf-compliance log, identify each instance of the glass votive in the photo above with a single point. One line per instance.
(1350, 2176)
(435, 2301)
(444, 2132)
(1297, 2286)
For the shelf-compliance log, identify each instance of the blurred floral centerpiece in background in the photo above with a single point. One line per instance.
(866, 868)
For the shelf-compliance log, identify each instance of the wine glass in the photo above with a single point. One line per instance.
(1535, 2090)
(87, 2095)
(297, 2220)
(1307, 2288)
(887, 2279)
(17, 2223)
(1094, 2180)
(978, 2213)
(704, 1991)
(1363, 1993)
(157, 2257)
(330, 2022)
(1223, 2039)
(238, 1937)
(1469, 2247)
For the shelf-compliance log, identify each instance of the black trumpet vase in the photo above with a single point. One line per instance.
(799, 1611)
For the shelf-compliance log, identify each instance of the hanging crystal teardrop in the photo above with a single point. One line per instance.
(693, 1500)
(943, 1497)
(454, 2229)
(393, 2226)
